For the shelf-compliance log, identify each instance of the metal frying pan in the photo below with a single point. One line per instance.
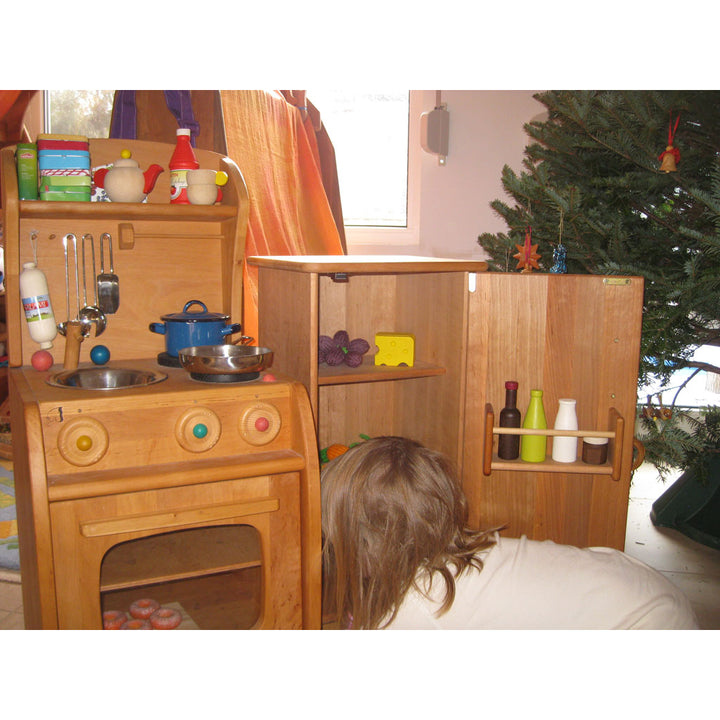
(207, 360)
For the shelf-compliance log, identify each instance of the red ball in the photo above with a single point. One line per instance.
(42, 360)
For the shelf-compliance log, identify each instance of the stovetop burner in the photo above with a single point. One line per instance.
(225, 377)
(168, 360)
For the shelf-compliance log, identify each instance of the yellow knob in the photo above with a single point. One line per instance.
(221, 178)
(84, 443)
(125, 154)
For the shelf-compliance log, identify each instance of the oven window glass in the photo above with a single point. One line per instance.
(212, 576)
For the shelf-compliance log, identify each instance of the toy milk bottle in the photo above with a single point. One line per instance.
(565, 447)
(509, 445)
(534, 447)
(182, 160)
(36, 305)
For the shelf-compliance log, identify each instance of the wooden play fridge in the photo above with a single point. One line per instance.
(572, 336)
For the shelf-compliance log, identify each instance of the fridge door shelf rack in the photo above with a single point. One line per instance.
(612, 467)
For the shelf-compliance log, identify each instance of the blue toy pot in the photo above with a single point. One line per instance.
(192, 328)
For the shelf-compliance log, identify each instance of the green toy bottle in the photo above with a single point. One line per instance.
(534, 447)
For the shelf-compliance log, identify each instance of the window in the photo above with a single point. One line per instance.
(78, 112)
(375, 137)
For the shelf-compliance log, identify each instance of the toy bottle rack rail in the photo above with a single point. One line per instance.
(612, 467)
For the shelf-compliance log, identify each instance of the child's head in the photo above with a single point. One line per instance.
(391, 508)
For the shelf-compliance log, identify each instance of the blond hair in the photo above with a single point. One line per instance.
(391, 509)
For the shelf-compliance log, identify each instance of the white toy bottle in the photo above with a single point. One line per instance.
(36, 304)
(565, 448)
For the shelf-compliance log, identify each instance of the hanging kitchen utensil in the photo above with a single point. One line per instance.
(73, 330)
(91, 314)
(84, 324)
(62, 326)
(108, 284)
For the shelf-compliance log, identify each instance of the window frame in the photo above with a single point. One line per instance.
(364, 237)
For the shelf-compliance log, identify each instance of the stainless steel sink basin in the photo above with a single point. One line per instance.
(105, 378)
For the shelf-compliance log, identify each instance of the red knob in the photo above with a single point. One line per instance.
(262, 424)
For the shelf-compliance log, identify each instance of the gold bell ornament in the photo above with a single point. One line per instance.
(671, 157)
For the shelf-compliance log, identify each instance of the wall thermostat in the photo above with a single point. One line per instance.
(435, 132)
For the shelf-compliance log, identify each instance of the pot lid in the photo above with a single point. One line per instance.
(188, 315)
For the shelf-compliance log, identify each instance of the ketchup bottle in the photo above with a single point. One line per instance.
(182, 160)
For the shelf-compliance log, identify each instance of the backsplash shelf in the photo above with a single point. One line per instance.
(43, 210)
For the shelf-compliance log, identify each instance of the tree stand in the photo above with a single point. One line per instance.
(692, 506)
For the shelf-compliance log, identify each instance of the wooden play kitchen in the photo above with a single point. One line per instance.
(571, 336)
(198, 492)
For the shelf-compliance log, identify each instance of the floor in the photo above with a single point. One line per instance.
(693, 567)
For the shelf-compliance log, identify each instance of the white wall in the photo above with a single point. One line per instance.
(486, 133)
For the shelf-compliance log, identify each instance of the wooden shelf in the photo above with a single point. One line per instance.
(43, 210)
(369, 372)
(492, 462)
(156, 579)
(179, 556)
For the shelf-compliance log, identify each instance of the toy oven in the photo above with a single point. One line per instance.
(120, 498)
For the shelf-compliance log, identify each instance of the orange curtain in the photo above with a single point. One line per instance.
(324, 152)
(289, 209)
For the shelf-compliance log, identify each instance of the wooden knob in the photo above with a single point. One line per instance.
(260, 423)
(83, 441)
(198, 429)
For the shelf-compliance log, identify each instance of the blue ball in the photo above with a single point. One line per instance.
(100, 354)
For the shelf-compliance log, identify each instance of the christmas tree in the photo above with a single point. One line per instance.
(628, 183)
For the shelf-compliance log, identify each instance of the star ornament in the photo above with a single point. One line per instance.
(527, 255)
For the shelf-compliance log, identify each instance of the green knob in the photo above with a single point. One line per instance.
(200, 431)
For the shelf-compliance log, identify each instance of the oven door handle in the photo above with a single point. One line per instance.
(174, 518)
